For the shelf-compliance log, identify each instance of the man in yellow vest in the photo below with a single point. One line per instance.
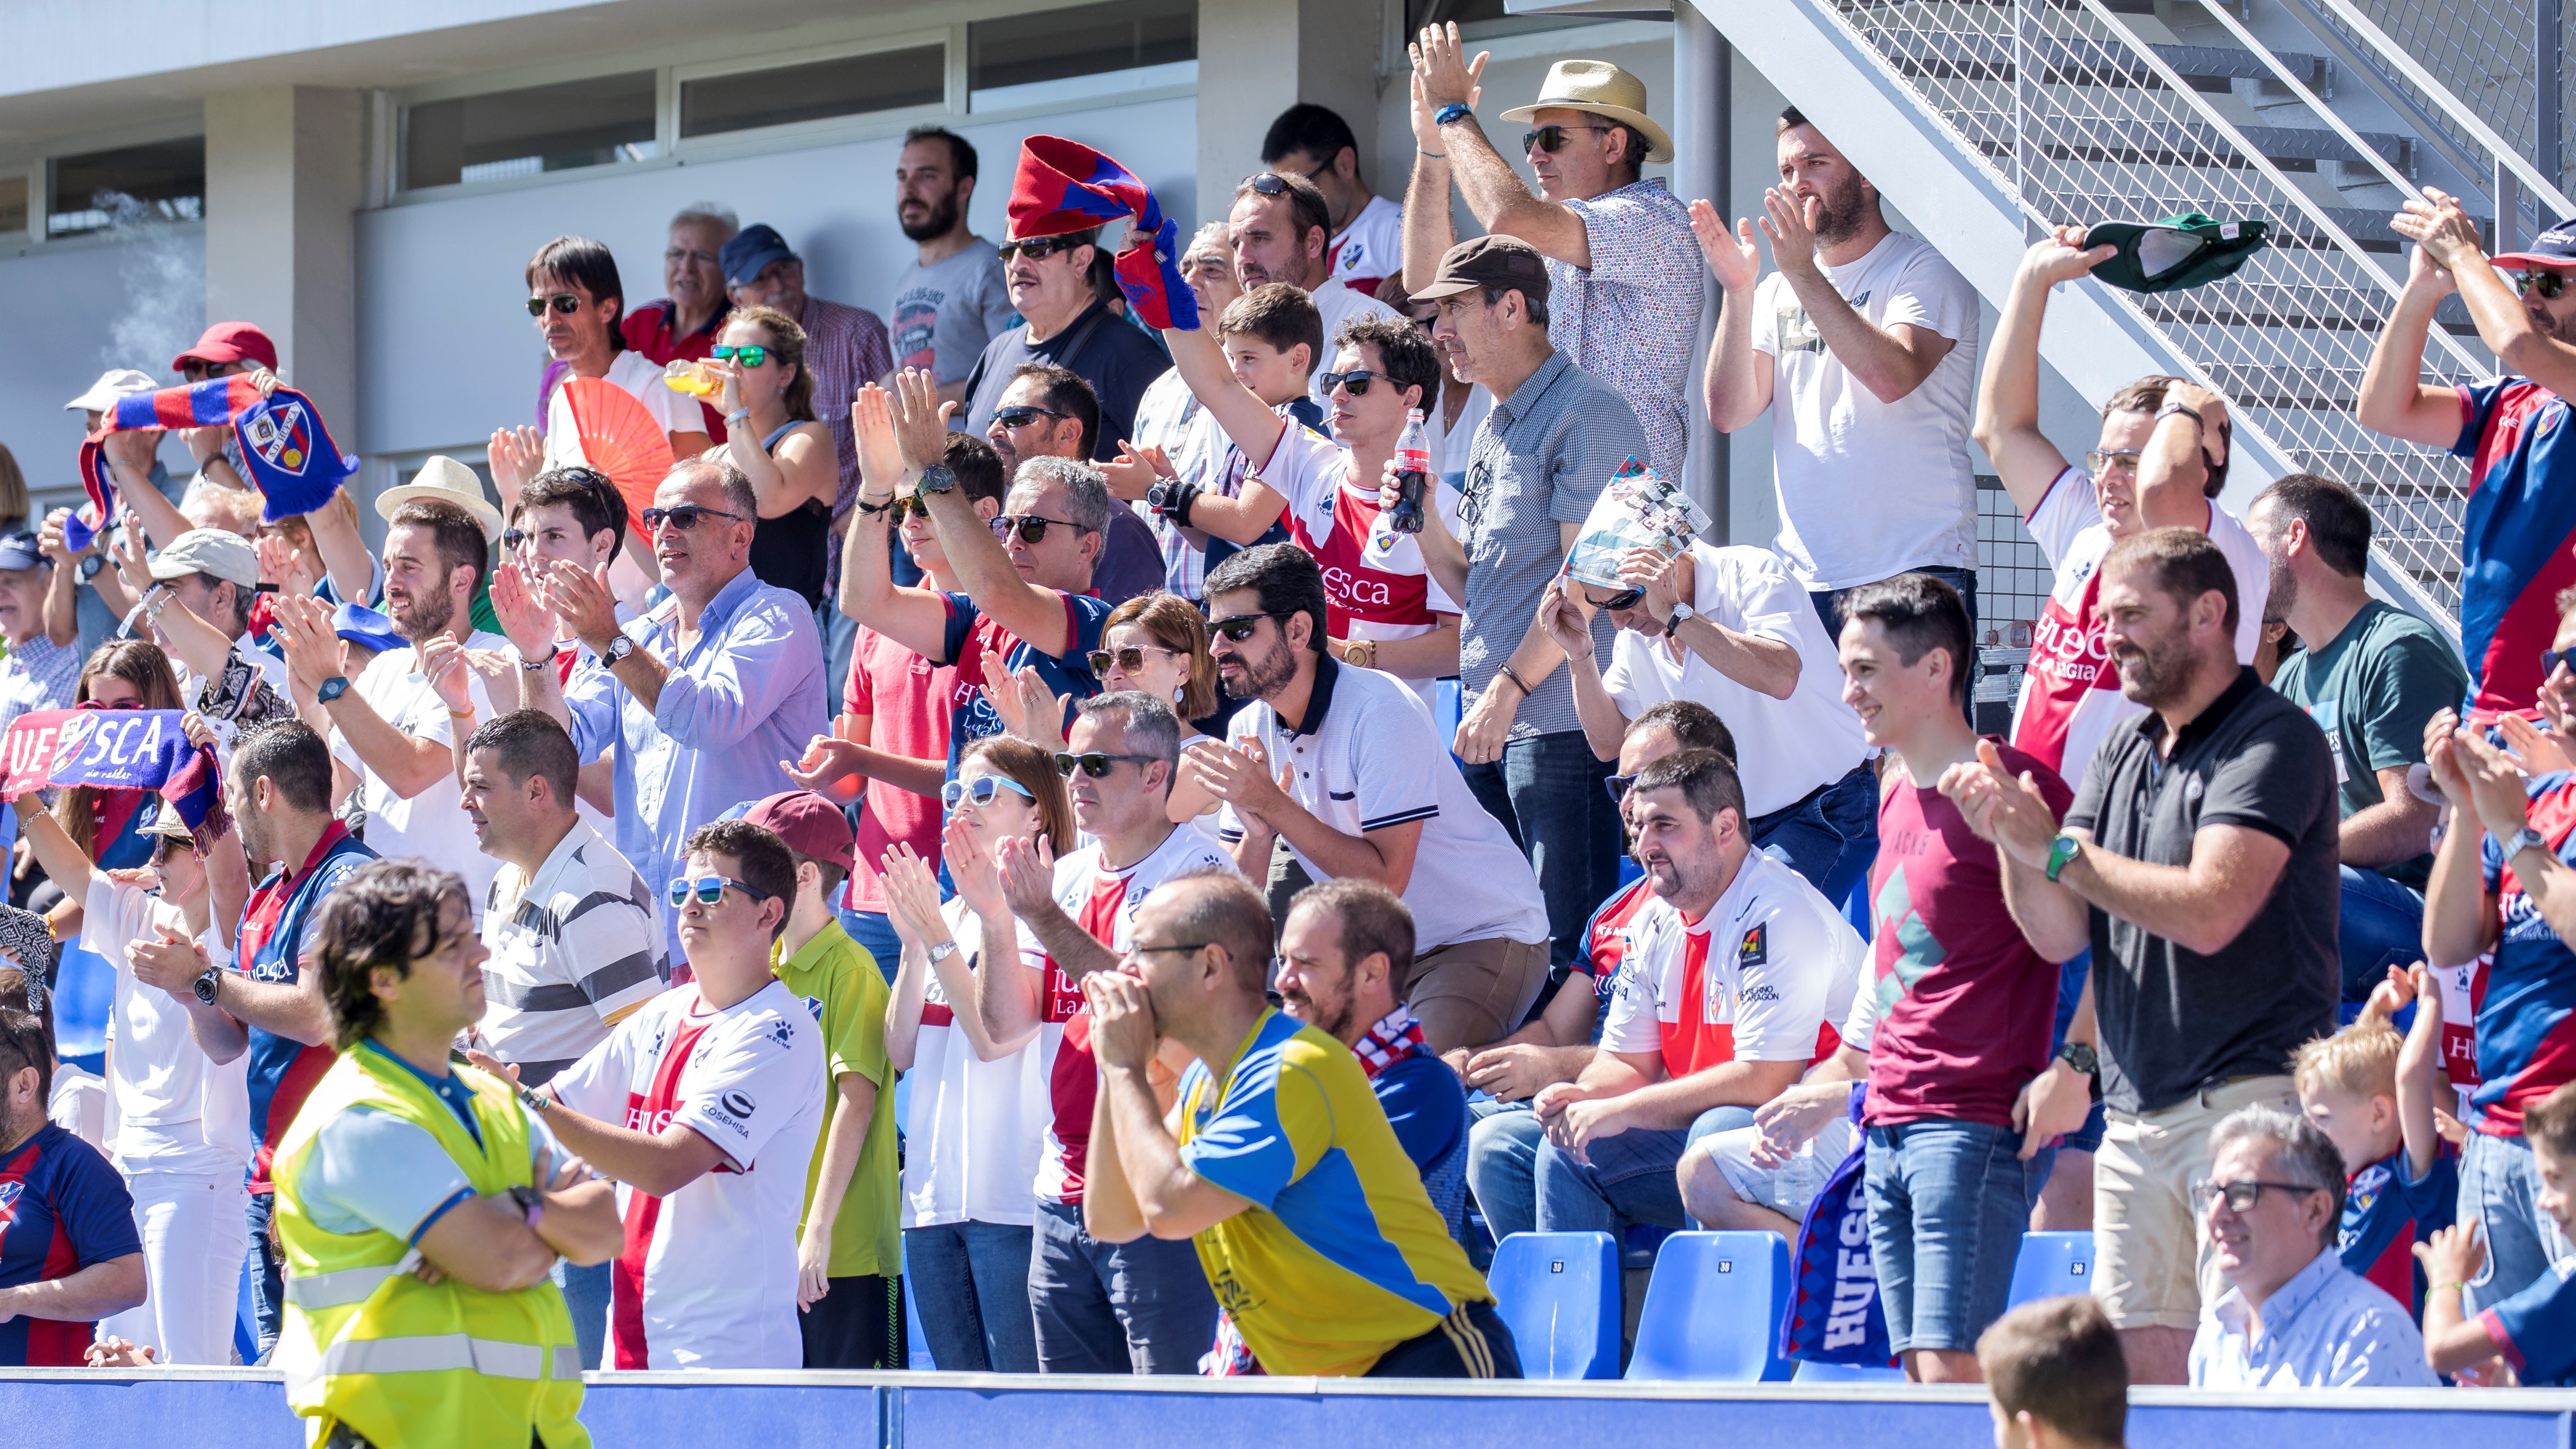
(420, 1207)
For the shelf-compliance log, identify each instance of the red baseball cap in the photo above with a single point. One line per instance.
(812, 826)
(230, 342)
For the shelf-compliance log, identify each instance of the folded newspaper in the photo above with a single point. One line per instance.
(1640, 508)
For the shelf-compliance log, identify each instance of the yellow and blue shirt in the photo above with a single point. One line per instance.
(1342, 1255)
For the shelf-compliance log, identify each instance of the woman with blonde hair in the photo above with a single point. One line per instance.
(979, 1107)
(771, 434)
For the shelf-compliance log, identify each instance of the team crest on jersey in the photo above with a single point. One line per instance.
(1755, 949)
(813, 1008)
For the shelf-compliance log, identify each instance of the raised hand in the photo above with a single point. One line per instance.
(582, 599)
(881, 462)
(50, 541)
(2437, 223)
(972, 869)
(516, 455)
(1027, 870)
(1442, 73)
(1790, 221)
(827, 761)
(1566, 618)
(920, 418)
(912, 897)
(1135, 470)
(1734, 256)
(525, 620)
(442, 662)
(302, 626)
(281, 564)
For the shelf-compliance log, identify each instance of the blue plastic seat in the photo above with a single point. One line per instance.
(1713, 1310)
(1847, 1373)
(1560, 1294)
(2051, 1264)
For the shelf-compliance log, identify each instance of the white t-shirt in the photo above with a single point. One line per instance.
(717, 1259)
(973, 1128)
(1104, 903)
(1367, 757)
(2070, 697)
(642, 379)
(430, 825)
(1784, 748)
(1370, 249)
(176, 1110)
(1376, 585)
(1869, 490)
(1338, 304)
(1767, 975)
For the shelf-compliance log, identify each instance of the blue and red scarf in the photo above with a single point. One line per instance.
(1835, 1314)
(290, 455)
(1064, 187)
(118, 749)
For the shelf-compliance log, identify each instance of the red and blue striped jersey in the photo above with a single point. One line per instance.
(2515, 552)
(2385, 1214)
(2527, 1020)
(62, 1209)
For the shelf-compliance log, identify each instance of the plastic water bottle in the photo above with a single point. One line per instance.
(1412, 474)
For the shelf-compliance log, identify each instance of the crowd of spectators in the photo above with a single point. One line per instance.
(1040, 707)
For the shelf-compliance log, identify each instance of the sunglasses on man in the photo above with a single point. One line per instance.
(2550, 659)
(752, 356)
(1356, 381)
(564, 303)
(1551, 139)
(195, 371)
(1096, 763)
(684, 518)
(1038, 248)
(1031, 527)
(1012, 419)
(710, 889)
(1238, 627)
(2546, 285)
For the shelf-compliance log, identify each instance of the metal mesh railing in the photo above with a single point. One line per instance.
(2079, 118)
(2482, 51)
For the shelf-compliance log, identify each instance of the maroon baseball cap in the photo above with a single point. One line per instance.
(230, 342)
(812, 826)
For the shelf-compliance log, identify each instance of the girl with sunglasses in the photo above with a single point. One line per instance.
(1158, 643)
(978, 1108)
(104, 821)
(771, 434)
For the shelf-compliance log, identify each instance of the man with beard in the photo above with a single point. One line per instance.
(950, 298)
(1866, 341)
(1369, 793)
(1628, 289)
(2515, 554)
(2198, 865)
(1738, 978)
(2370, 675)
(393, 735)
(703, 699)
(1278, 229)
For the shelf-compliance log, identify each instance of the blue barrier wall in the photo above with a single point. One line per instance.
(242, 1409)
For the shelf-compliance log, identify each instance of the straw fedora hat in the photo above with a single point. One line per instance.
(1605, 90)
(448, 481)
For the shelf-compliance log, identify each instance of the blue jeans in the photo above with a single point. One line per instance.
(1947, 1205)
(585, 1292)
(2500, 1187)
(874, 930)
(267, 1274)
(2382, 925)
(1547, 791)
(1115, 1308)
(1524, 1183)
(1830, 837)
(970, 1284)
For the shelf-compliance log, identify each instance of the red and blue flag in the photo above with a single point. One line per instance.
(284, 446)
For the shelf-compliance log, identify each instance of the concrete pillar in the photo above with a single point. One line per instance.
(1703, 143)
(1259, 57)
(284, 168)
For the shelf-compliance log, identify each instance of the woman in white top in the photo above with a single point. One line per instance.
(978, 1107)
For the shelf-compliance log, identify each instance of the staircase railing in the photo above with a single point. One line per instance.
(2082, 120)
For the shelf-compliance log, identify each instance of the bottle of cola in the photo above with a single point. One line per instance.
(1412, 475)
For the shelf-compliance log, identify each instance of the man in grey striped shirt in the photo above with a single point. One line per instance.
(1552, 442)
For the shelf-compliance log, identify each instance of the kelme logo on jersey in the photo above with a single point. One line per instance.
(781, 1031)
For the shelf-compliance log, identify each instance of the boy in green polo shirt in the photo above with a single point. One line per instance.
(849, 1257)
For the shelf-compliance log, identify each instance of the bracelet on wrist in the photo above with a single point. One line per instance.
(1434, 155)
(1451, 113)
(1514, 676)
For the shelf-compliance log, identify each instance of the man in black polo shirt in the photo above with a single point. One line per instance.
(2199, 864)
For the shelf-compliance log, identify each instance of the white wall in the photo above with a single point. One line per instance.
(74, 310)
(446, 350)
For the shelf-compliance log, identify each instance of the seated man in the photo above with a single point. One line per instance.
(1739, 975)
(75, 1257)
(1277, 1162)
(2293, 1315)
(1564, 1028)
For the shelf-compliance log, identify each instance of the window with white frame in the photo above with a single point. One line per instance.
(593, 121)
(850, 85)
(97, 190)
(1088, 50)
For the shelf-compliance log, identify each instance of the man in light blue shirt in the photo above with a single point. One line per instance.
(2293, 1317)
(707, 694)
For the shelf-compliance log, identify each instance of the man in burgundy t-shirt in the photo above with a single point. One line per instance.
(1965, 1005)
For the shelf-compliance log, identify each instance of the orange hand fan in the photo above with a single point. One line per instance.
(619, 438)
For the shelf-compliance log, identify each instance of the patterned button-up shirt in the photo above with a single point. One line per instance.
(1539, 459)
(748, 694)
(39, 674)
(1633, 319)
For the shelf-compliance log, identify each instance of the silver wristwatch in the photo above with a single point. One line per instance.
(617, 650)
(942, 951)
(1681, 613)
(2524, 839)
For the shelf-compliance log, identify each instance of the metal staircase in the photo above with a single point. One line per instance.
(1986, 120)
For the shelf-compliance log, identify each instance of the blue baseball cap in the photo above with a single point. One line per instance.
(750, 253)
(2552, 249)
(18, 552)
(364, 626)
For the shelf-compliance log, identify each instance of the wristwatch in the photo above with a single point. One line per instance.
(1172, 499)
(2082, 1057)
(1681, 612)
(208, 982)
(941, 952)
(2524, 839)
(617, 650)
(937, 479)
(90, 566)
(531, 1204)
(534, 1100)
(2060, 851)
(332, 688)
